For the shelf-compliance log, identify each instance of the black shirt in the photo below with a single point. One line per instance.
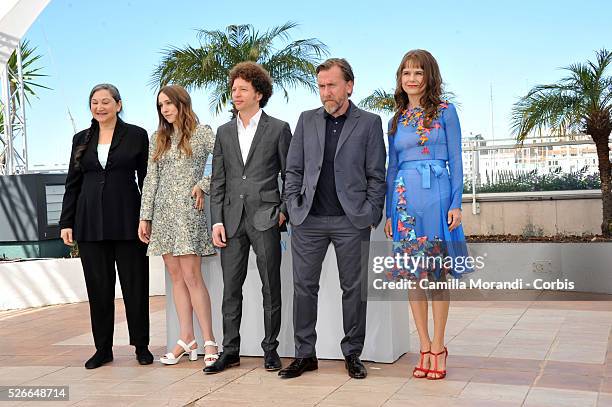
(325, 202)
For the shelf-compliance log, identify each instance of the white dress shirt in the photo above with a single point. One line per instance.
(246, 134)
(245, 137)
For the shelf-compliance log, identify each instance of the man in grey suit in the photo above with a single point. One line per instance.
(247, 208)
(335, 187)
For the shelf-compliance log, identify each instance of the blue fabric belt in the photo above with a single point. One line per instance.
(425, 168)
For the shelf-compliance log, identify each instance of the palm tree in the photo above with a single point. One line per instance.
(379, 101)
(382, 101)
(30, 74)
(208, 65)
(580, 101)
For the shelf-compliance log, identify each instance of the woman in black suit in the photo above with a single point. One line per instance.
(100, 211)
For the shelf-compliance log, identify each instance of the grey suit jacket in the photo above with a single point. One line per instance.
(359, 166)
(253, 185)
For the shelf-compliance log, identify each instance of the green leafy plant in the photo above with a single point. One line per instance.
(207, 65)
(581, 101)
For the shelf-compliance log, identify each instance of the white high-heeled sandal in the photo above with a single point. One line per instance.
(170, 359)
(210, 358)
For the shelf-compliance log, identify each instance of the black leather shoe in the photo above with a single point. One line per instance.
(99, 358)
(355, 367)
(272, 361)
(143, 356)
(225, 360)
(299, 366)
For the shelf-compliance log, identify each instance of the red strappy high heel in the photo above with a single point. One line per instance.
(420, 367)
(441, 373)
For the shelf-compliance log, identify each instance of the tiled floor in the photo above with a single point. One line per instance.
(552, 353)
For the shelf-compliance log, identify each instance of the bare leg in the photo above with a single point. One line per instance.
(419, 306)
(440, 304)
(200, 300)
(182, 302)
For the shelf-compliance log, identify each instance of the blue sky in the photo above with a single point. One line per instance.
(510, 46)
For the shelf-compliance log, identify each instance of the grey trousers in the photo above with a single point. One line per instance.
(234, 262)
(309, 243)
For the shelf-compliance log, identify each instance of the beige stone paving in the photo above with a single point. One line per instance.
(501, 354)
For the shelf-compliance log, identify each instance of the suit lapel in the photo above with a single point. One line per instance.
(92, 149)
(261, 130)
(234, 140)
(349, 125)
(118, 133)
(320, 125)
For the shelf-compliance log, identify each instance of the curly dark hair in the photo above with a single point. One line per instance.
(255, 74)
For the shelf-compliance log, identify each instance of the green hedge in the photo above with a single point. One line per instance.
(529, 181)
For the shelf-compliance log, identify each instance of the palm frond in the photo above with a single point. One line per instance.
(379, 101)
(207, 65)
(575, 100)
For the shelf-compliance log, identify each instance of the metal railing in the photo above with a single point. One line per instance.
(541, 156)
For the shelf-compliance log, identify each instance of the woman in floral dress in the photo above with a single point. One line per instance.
(172, 220)
(424, 189)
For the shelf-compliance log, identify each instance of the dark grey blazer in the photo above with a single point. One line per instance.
(252, 185)
(359, 166)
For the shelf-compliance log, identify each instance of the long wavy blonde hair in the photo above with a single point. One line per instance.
(186, 121)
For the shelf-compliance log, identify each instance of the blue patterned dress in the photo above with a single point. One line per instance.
(424, 181)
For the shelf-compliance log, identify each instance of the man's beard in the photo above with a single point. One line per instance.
(331, 106)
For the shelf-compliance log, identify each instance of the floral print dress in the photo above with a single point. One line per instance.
(178, 228)
(425, 181)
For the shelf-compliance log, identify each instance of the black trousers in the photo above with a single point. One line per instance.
(234, 262)
(98, 259)
(309, 244)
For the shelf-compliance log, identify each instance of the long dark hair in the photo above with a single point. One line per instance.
(80, 149)
(431, 99)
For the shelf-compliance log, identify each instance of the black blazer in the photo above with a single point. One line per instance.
(104, 204)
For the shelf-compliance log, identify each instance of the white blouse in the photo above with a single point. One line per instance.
(103, 150)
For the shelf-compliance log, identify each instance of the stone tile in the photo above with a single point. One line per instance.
(511, 351)
(280, 392)
(353, 399)
(133, 388)
(473, 349)
(424, 387)
(110, 372)
(504, 377)
(82, 390)
(466, 402)
(604, 400)
(583, 369)
(569, 382)
(517, 365)
(539, 397)
(162, 375)
(474, 362)
(579, 353)
(15, 374)
(491, 344)
(494, 392)
(420, 401)
(114, 401)
(606, 385)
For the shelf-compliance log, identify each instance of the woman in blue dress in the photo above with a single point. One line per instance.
(424, 190)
